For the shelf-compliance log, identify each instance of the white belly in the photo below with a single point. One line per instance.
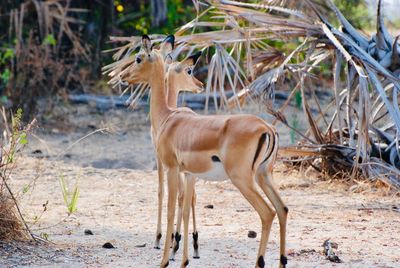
(216, 173)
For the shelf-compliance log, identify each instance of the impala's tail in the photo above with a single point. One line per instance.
(269, 142)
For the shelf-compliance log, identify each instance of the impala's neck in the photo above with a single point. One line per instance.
(159, 109)
(172, 96)
(172, 85)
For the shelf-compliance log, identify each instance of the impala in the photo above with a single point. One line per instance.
(187, 82)
(241, 148)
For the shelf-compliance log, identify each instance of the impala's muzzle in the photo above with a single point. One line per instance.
(200, 86)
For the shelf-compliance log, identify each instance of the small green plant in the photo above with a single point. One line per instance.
(6, 56)
(5, 76)
(18, 138)
(49, 40)
(45, 236)
(70, 197)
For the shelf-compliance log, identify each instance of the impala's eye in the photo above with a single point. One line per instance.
(138, 60)
(189, 71)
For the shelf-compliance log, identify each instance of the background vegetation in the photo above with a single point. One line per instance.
(49, 49)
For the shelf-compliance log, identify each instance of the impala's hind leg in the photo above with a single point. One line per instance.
(195, 232)
(188, 192)
(160, 170)
(247, 187)
(264, 179)
(173, 184)
(177, 237)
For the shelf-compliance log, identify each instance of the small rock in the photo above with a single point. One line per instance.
(88, 232)
(38, 151)
(304, 185)
(251, 234)
(328, 246)
(209, 206)
(242, 210)
(307, 251)
(141, 246)
(108, 245)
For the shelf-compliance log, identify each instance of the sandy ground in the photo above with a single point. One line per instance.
(118, 201)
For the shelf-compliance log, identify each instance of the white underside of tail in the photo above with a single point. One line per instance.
(216, 173)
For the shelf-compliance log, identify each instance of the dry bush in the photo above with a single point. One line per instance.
(12, 223)
(47, 52)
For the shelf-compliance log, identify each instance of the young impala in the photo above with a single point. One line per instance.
(241, 148)
(186, 83)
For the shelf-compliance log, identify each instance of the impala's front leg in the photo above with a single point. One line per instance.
(177, 236)
(195, 232)
(173, 180)
(160, 170)
(187, 201)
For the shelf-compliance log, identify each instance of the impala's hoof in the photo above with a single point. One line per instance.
(260, 262)
(196, 254)
(157, 243)
(283, 261)
(164, 265)
(196, 245)
(176, 243)
(186, 263)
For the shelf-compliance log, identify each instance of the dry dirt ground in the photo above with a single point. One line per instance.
(118, 201)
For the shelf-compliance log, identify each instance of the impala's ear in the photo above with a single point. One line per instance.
(146, 43)
(169, 42)
(192, 59)
(167, 46)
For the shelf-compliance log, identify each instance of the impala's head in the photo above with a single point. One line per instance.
(181, 73)
(148, 62)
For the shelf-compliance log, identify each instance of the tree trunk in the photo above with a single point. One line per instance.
(158, 12)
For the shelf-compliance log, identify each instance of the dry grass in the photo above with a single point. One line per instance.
(11, 227)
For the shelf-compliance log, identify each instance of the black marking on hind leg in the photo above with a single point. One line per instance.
(177, 239)
(186, 263)
(215, 158)
(172, 238)
(166, 265)
(159, 236)
(283, 260)
(195, 238)
(196, 245)
(286, 209)
(261, 262)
